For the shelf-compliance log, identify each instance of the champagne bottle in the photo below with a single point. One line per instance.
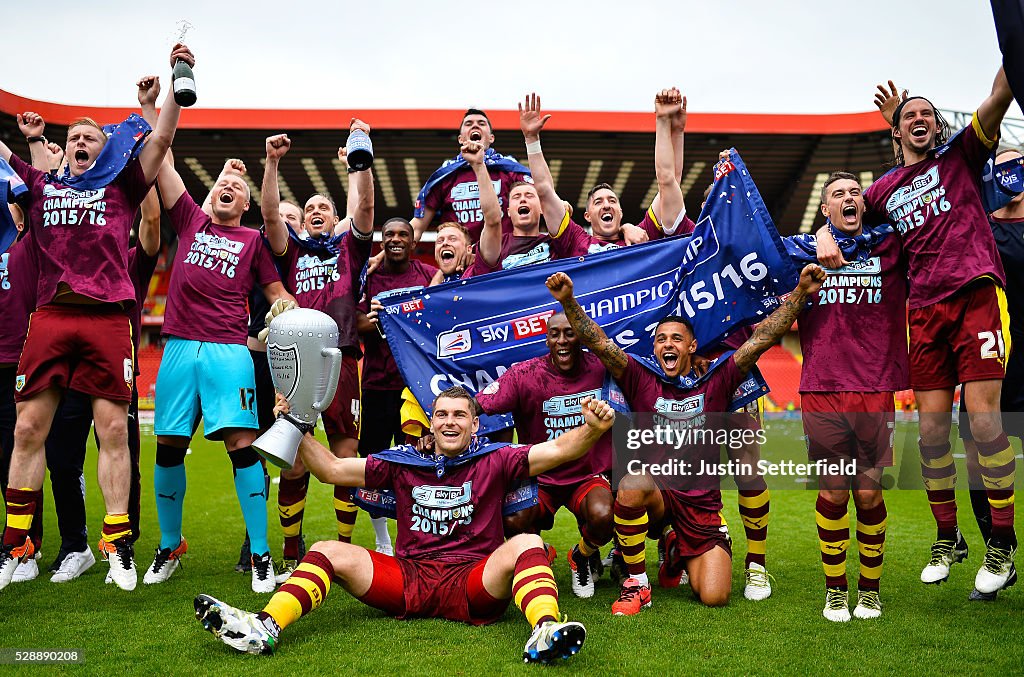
(184, 84)
(360, 150)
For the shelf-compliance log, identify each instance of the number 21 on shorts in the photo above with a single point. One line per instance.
(992, 340)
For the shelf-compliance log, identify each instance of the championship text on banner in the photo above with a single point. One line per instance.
(728, 274)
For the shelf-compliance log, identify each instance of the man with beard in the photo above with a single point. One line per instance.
(933, 198)
(1001, 178)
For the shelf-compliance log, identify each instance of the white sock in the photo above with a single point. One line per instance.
(642, 578)
(380, 530)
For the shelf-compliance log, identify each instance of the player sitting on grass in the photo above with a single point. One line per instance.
(702, 544)
(452, 562)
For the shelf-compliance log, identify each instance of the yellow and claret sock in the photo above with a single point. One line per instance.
(534, 588)
(304, 590)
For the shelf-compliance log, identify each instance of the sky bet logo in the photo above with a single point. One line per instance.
(722, 168)
(873, 266)
(1011, 177)
(565, 405)
(453, 343)
(679, 409)
(412, 306)
(521, 328)
(924, 181)
(470, 190)
(215, 242)
(920, 185)
(441, 496)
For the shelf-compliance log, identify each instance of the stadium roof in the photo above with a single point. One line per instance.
(788, 155)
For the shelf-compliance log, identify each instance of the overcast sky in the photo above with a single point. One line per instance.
(789, 56)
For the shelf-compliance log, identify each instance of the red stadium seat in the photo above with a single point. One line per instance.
(782, 371)
(149, 362)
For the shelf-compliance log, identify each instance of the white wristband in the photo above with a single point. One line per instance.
(356, 233)
(533, 148)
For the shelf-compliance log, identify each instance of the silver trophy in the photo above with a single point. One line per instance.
(305, 364)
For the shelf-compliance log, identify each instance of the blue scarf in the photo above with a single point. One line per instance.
(124, 141)
(324, 243)
(11, 187)
(682, 382)
(406, 454)
(381, 502)
(492, 159)
(801, 248)
(752, 388)
(1002, 182)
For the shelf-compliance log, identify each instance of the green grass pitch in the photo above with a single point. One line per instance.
(924, 629)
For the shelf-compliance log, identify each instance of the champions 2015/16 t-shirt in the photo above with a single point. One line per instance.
(214, 269)
(328, 283)
(80, 237)
(546, 403)
(671, 406)
(456, 518)
(457, 198)
(935, 206)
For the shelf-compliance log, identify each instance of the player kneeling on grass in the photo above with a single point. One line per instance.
(544, 395)
(700, 541)
(452, 562)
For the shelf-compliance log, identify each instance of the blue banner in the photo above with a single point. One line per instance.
(11, 187)
(727, 274)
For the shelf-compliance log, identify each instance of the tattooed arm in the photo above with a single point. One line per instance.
(772, 329)
(593, 337)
